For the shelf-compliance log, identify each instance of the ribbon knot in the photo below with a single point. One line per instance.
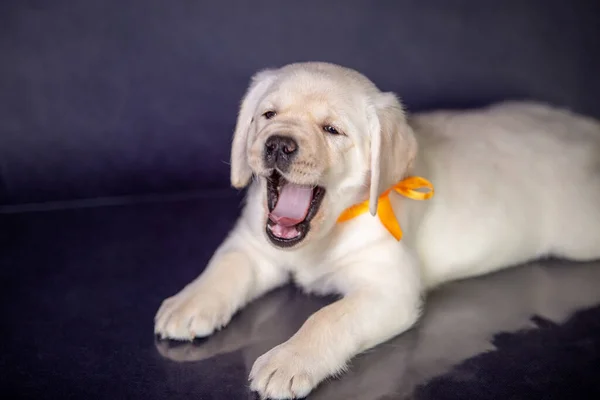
(408, 187)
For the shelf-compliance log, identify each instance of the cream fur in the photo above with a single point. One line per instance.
(513, 182)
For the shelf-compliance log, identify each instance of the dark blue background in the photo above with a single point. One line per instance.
(115, 97)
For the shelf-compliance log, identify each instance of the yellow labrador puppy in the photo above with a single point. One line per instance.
(320, 145)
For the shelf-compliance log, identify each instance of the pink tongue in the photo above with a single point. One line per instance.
(292, 205)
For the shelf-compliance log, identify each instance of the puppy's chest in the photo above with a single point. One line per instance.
(314, 276)
(321, 285)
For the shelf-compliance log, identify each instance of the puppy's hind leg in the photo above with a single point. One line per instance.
(236, 274)
(576, 234)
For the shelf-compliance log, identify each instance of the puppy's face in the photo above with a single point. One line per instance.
(314, 135)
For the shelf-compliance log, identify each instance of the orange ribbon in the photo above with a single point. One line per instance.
(407, 187)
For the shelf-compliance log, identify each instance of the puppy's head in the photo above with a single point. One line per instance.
(318, 138)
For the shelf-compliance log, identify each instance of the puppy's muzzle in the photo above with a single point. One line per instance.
(279, 152)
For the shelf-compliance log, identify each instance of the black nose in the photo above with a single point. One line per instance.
(279, 151)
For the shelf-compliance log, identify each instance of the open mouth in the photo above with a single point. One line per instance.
(291, 208)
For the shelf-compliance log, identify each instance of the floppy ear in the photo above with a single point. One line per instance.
(240, 170)
(393, 146)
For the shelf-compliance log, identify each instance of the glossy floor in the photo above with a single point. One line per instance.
(80, 288)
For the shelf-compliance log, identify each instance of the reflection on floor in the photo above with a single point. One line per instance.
(460, 323)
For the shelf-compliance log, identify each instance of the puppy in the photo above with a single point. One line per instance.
(511, 183)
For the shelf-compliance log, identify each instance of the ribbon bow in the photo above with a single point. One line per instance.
(407, 187)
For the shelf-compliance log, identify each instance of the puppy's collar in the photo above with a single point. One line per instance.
(407, 187)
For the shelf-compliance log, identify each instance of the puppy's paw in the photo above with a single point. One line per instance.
(186, 316)
(286, 372)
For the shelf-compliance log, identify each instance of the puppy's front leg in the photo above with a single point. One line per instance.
(381, 302)
(237, 273)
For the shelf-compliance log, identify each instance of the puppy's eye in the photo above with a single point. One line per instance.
(269, 114)
(331, 130)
